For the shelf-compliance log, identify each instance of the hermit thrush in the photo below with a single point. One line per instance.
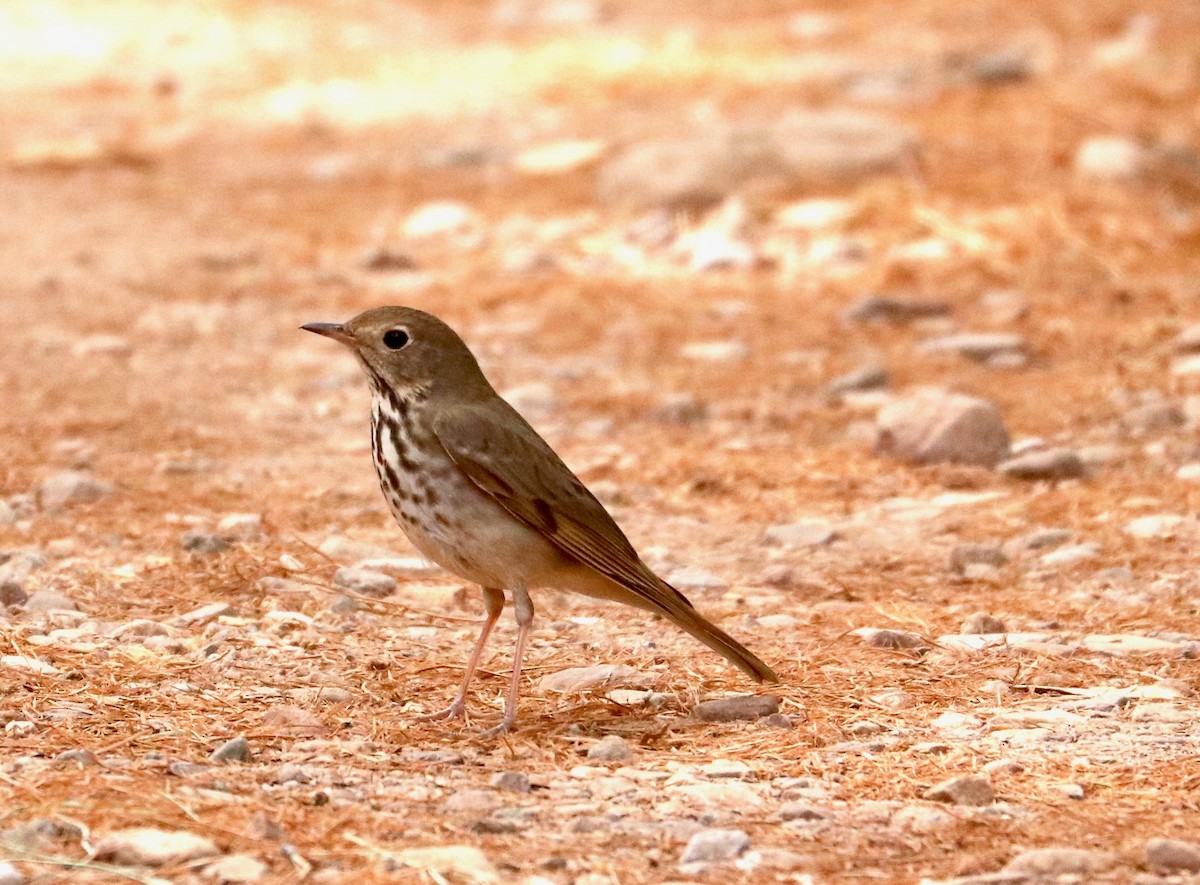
(477, 491)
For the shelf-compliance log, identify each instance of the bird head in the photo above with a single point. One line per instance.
(407, 351)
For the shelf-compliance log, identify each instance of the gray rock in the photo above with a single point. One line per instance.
(982, 622)
(611, 748)
(715, 846)
(890, 638)
(682, 409)
(78, 758)
(234, 750)
(180, 768)
(474, 802)
(805, 533)
(700, 170)
(1152, 418)
(777, 720)
(512, 782)
(894, 309)
(10, 875)
(1173, 854)
(291, 774)
(964, 555)
(146, 846)
(1048, 464)
(380, 259)
(933, 426)
(70, 487)
(48, 600)
(1008, 65)
(364, 582)
(735, 708)
(203, 543)
(802, 811)
(1046, 862)
(967, 790)
(1046, 538)
(12, 593)
(978, 346)
(869, 377)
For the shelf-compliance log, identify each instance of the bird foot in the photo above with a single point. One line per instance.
(457, 710)
(495, 731)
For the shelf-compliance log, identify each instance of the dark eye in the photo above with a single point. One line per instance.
(394, 339)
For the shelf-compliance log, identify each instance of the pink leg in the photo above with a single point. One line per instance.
(523, 609)
(493, 602)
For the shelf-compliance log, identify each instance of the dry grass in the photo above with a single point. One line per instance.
(208, 256)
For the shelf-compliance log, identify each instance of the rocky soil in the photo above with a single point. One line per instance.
(876, 326)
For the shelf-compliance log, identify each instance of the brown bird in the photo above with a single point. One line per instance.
(478, 492)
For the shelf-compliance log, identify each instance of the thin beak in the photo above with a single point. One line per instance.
(336, 331)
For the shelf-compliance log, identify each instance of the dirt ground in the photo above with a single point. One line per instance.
(184, 185)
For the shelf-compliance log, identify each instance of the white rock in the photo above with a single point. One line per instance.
(805, 533)
(1128, 644)
(147, 846)
(1072, 554)
(600, 676)
(1160, 525)
(715, 351)
(236, 868)
(440, 218)
(727, 768)
(559, 157)
(1110, 157)
(814, 215)
(102, 345)
(932, 426)
(241, 525)
(459, 861)
(25, 664)
(979, 346)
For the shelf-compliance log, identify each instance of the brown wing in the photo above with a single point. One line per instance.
(505, 458)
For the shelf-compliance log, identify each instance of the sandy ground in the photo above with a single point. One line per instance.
(183, 189)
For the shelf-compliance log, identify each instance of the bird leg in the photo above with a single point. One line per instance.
(523, 610)
(493, 602)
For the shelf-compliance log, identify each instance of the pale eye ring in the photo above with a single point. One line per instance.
(394, 339)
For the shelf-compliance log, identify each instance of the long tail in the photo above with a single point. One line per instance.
(722, 643)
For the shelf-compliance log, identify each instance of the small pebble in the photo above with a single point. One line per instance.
(981, 623)
(889, 638)
(715, 846)
(234, 750)
(1173, 854)
(964, 555)
(70, 487)
(1048, 862)
(967, 790)
(203, 543)
(610, 748)
(1050, 464)
(366, 583)
(512, 782)
(733, 709)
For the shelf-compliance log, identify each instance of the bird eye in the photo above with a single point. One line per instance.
(394, 339)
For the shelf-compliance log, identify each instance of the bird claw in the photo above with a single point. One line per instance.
(495, 731)
(457, 710)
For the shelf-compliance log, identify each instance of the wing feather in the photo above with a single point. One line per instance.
(505, 458)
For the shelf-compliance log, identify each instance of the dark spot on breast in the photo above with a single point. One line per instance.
(545, 514)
